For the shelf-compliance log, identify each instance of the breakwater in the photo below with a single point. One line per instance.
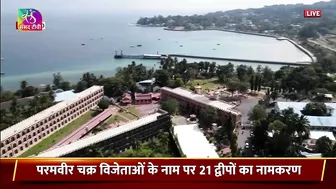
(242, 60)
(308, 53)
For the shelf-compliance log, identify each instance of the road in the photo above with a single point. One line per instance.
(245, 107)
(322, 45)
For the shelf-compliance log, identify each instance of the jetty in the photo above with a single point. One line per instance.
(298, 63)
(142, 56)
(163, 56)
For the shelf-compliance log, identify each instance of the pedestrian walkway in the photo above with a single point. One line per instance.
(84, 129)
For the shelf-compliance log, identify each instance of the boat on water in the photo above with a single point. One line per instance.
(214, 49)
(139, 45)
(181, 45)
(218, 44)
(83, 44)
(159, 39)
(132, 46)
(2, 73)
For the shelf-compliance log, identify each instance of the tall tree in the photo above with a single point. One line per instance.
(252, 83)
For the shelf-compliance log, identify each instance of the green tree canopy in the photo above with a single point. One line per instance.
(315, 109)
(258, 112)
(171, 106)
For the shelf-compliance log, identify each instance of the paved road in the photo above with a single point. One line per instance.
(245, 107)
(74, 136)
(242, 137)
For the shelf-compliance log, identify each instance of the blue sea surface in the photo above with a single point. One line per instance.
(36, 56)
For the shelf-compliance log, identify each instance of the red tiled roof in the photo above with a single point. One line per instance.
(139, 96)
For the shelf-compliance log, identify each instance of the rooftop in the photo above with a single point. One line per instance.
(65, 95)
(203, 99)
(193, 143)
(319, 134)
(323, 121)
(104, 135)
(10, 131)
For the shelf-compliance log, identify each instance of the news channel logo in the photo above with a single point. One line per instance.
(29, 20)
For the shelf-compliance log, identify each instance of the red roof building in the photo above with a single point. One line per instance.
(126, 99)
(143, 98)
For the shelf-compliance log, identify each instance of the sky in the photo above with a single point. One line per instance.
(150, 6)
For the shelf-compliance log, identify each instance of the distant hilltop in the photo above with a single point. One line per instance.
(275, 19)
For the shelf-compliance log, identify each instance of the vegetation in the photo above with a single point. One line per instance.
(103, 104)
(171, 106)
(59, 135)
(161, 146)
(269, 20)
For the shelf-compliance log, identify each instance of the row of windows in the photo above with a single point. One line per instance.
(61, 116)
(50, 128)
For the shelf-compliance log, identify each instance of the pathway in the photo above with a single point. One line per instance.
(74, 136)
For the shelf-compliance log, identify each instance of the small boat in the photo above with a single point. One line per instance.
(83, 44)
(218, 44)
(139, 45)
(159, 39)
(214, 49)
(91, 39)
(101, 38)
(181, 45)
(2, 73)
(132, 46)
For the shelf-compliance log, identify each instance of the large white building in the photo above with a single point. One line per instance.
(18, 138)
(193, 143)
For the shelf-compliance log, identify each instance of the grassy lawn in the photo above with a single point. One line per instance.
(131, 116)
(114, 119)
(58, 135)
(205, 83)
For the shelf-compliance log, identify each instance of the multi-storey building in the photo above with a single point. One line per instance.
(116, 139)
(21, 136)
(193, 102)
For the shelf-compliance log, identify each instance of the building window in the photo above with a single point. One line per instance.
(16, 151)
(12, 140)
(20, 142)
(14, 145)
(3, 151)
(9, 148)
(21, 148)
(35, 139)
(10, 154)
(30, 142)
(26, 145)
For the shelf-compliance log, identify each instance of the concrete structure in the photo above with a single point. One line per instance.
(193, 143)
(19, 137)
(119, 138)
(193, 103)
(64, 95)
(327, 123)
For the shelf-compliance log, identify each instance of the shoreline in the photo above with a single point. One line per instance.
(280, 38)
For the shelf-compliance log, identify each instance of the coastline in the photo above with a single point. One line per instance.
(280, 38)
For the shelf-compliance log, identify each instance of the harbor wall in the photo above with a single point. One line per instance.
(308, 53)
(242, 60)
